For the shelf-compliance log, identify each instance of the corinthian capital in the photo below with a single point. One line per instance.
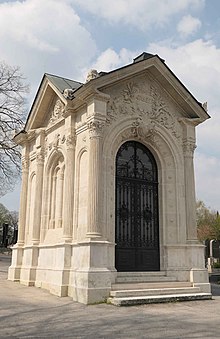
(70, 140)
(189, 147)
(95, 128)
(40, 158)
(25, 163)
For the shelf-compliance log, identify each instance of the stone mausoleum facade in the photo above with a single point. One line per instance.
(108, 183)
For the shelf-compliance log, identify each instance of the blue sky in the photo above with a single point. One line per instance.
(69, 37)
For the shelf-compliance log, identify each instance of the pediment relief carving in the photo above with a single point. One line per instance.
(56, 112)
(146, 100)
(139, 132)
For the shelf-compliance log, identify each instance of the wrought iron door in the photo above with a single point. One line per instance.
(137, 227)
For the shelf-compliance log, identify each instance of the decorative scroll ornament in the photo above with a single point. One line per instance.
(54, 143)
(136, 131)
(143, 100)
(189, 147)
(95, 128)
(57, 112)
(68, 93)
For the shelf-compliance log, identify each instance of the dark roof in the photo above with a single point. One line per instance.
(62, 83)
(143, 56)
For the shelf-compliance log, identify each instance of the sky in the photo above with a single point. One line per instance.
(69, 37)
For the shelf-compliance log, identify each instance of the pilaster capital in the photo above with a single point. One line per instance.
(95, 128)
(70, 141)
(189, 147)
(25, 163)
(40, 157)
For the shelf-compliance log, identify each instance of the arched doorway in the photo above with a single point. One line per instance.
(136, 210)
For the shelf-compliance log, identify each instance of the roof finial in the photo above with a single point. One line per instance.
(92, 74)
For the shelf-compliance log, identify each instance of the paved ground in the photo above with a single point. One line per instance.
(29, 312)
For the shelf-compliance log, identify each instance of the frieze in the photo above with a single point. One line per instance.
(144, 100)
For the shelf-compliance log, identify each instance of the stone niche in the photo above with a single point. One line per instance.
(108, 182)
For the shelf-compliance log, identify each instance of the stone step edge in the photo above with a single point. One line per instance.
(158, 299)
(144, 279)
(137, 273)
(150, 285)
(145, 292)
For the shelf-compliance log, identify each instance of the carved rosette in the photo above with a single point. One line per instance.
(189, 147)
(95, 128)
(68, 93)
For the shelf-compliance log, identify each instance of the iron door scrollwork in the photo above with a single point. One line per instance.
(137, 225)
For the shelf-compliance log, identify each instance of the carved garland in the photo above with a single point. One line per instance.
(147, 103)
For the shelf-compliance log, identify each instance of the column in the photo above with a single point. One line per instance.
(190, 198)
(95, 176)
(59, 199)
(69, 188)
(53, 200)
(38, 198)
(23, 201)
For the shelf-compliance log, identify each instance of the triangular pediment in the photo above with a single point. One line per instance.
(49, 104)
(162, 79)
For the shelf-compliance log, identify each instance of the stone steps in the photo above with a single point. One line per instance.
(123, 277)
(130, 301)
(149, 285)
(153, 292)
(136, 288)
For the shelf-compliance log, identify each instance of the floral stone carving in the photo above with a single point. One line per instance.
(143, 100)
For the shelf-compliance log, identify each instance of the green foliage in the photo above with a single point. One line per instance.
(216, 265)
(208, 222)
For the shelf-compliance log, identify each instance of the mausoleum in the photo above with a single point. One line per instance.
(107, 203)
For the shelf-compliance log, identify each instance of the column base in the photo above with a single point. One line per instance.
(14, 270)
(93, 235)
(29, 265)
(200, 278)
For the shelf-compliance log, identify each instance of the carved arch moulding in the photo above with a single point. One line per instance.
(58, 142)
(156, 139)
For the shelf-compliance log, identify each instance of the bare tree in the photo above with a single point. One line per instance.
(12, 112)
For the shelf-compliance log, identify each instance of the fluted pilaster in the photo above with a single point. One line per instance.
(69, 188)
(188, 152)
(95, 179)
(38, 197)
(23, 201)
